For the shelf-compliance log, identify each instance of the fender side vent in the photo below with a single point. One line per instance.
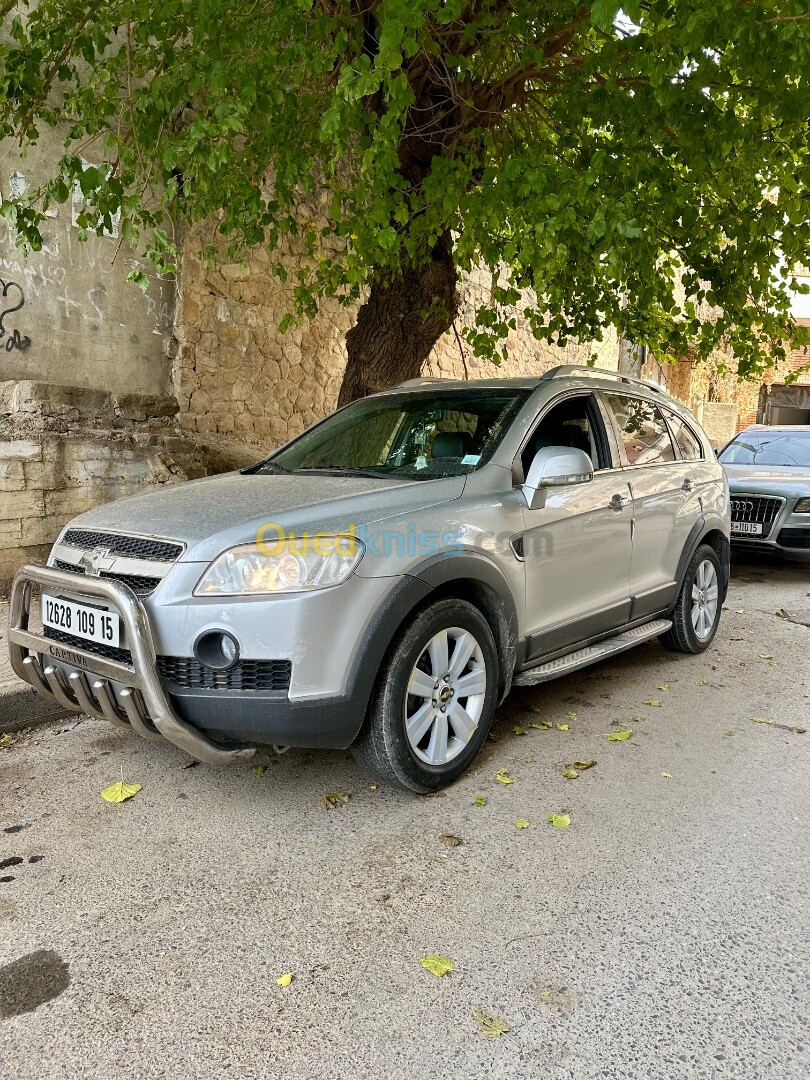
(517, 545)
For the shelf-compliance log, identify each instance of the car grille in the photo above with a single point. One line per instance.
(271, 676)
(141, 586)
(108, 652)
(186, 672)
(797, 537)
(134, 547)
(760, 508)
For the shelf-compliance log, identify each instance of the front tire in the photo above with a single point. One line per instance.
(434, 699)
(697, 610)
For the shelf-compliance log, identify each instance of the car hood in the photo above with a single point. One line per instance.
(782, 480)
(217, 512)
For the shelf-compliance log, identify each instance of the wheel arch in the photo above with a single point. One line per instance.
(707, 532)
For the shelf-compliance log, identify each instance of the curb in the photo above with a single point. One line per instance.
(22, 707)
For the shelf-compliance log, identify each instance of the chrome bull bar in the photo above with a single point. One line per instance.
(146, 709)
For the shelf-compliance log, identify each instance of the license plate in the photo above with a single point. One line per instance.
(749, 528)
(80, 620)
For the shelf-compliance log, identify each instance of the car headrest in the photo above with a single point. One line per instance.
(450, 444)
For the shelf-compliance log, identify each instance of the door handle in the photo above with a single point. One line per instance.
(687, 485)
(618, 502)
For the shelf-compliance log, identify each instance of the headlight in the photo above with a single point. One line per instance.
(802, 507)
(282, 566)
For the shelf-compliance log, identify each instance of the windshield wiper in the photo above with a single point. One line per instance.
(264, 467)
(344, 470)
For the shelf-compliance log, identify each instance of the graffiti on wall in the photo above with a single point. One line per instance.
(12, 299)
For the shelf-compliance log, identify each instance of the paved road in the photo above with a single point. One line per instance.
(662, 935)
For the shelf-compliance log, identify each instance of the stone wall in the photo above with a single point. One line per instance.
(246, 388)
(63, 451)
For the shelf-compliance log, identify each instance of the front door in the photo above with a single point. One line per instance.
(577, 547)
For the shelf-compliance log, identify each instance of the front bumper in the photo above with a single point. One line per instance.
(146, 708)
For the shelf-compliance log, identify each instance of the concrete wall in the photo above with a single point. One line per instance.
(68, 314)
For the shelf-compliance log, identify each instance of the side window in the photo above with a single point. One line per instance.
(687, 441)
(642, 429)
(574, 422)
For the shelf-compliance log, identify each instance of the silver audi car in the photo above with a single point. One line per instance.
(384, 579)
(768, 471)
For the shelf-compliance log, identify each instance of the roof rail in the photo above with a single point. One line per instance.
(563, 370)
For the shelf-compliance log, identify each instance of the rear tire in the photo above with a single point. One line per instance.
(697, 610)
(433, 701)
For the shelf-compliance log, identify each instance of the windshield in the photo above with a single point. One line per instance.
(419, 436)
(769, 448)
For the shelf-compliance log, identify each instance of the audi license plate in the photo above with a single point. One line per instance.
(80, 620)
(747, 528)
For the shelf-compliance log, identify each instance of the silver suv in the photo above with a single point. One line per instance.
(381, 581)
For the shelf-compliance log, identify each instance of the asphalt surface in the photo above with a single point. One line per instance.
(663, 934)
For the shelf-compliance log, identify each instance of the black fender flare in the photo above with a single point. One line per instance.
(699, 531)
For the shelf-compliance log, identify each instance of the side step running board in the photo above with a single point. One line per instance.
(582, 657)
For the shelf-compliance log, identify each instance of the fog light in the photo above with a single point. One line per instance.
(217, 649)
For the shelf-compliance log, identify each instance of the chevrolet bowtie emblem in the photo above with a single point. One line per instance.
(92, 560)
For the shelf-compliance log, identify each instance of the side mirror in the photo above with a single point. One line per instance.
(555, 466)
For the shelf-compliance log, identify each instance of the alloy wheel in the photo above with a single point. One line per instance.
(445, 696)
(705, 597)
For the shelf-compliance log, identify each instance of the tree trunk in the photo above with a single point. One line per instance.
(399, 324)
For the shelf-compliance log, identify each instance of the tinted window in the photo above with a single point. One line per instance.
(685, 438)
(642, 429)
(764, 447)
(418, 436)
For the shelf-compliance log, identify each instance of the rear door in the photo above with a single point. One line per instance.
(666, 502)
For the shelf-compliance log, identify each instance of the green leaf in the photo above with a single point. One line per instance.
(559, 821)
(503, 777)
(521, 823)
(437, 965)
(570, 774)
(518, 730)
(653, 702)
(622, 735)
(542, 725)
(603, 13)
(480, 801)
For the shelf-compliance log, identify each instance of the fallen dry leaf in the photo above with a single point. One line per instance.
(652, 701)
(582, 765)
(571, 714)
(518, 730)
(450, 839)
(503, 777)
(559, 821)
(437, 965)
(667, 775)
(729, 733)
(561, 727)
(120, 792)
(637, 720)
(490, 1026)
(664, 686)
(260, 770)
(619, 736)
(542, 725)
(332, 799)
(285, 979)
(570, 773)
(760, 720)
